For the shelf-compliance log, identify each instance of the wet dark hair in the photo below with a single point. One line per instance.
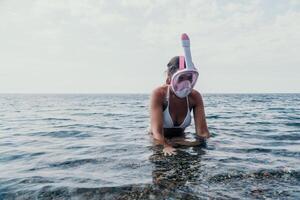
(173, 65)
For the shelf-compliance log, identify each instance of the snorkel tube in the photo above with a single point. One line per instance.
(185, 41)
(184, 88)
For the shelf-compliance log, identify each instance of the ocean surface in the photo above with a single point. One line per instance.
(97, 147)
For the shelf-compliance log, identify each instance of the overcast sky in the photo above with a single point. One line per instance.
(123, 46)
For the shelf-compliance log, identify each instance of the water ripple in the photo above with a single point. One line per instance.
(62, 134)
(96, 147)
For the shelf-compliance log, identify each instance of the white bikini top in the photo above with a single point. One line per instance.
(167, 119)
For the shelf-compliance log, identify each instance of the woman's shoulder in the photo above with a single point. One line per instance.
(195, 93)
(195, 97)
(160, 91)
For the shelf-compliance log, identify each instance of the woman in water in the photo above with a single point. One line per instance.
(172, 103)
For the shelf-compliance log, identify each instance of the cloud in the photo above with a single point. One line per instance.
(238, 45)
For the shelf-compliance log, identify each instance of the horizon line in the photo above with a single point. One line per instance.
(136, 93)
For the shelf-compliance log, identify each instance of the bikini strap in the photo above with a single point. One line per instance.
(187, 102)
(167, 97)
(168, 93)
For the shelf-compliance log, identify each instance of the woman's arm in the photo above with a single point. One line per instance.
(199, 117)
(183, 142)
(156, 112)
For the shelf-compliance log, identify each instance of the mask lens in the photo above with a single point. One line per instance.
(186, 77)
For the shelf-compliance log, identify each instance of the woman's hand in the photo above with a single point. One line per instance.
(169, 150)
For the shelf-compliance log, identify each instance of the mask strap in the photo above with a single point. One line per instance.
(181, 62)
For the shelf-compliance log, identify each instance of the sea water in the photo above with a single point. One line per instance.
(97, 146)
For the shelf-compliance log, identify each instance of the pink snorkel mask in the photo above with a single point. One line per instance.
(184, 80)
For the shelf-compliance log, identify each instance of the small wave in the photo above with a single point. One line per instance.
(5, 158)
(19, 155)
(289, 118)
(87, 114)
(277, 108)
(10, 188)
(286, 153)
(281, 152)
(35, 179)
(37, 154)
(74, 109)
(117, 115)
(6, 144)
(291, 136)
(254, 150)
(110, 127)
(7, 128)
(261, 174)
(259, 123)
(136, 191)
(259, 100)
(74, 163)
(87, 126)
(213, 116)
(258, 150)
(239, 160)
(55, 119)
(266, 129)
(62, 134)
(77, 147)
(297, 124)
